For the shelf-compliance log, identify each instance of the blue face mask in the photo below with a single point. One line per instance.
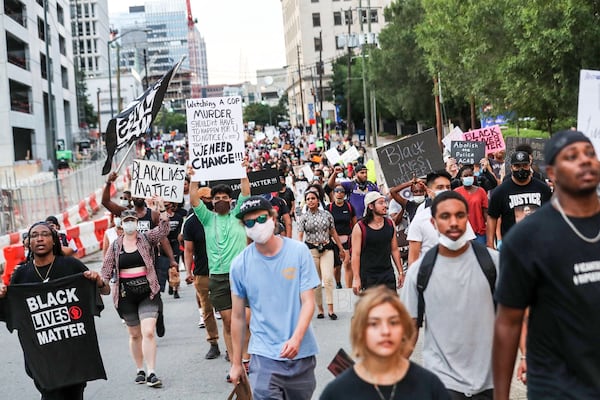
(476, 173)
(468, 180)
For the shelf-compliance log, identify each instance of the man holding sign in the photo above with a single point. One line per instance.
(225, 239)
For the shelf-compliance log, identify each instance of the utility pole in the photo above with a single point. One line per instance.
(119, 98)
(364, 80)
(348, 90)
(374, 106)
(98, 105)
(301, 91)
(438, 112)
(146, 69)
(321, 71)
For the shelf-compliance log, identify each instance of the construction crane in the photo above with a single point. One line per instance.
(194, 50)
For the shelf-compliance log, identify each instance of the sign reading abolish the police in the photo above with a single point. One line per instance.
(467, 152)
(216, 137)
(415, 155)
(492, 137)
(154, 178)
(265, 181)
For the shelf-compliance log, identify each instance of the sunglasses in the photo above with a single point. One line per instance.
(339, 191)
(261, 219)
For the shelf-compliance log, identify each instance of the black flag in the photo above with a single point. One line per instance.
(136, 118)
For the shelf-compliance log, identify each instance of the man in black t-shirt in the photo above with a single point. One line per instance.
(515, 198)
(550, 263)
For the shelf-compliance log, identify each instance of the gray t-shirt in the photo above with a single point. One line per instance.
(459, 314)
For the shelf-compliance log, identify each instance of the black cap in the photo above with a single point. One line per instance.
(519, 157)
(359, 167)
(559, 141)
(53, 220)
(254, 203)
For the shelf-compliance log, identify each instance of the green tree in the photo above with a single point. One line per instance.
(258, 113)
(89, 117)
(339, 85)
(170, 121)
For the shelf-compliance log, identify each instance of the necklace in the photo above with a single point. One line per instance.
(43, 279)
(376, 386)
(570, 224)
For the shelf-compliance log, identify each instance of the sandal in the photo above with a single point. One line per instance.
(320, 316)
(332, 316)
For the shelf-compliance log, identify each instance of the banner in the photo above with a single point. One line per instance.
(456, 134)
(216, 138)
(588, 110)
(492, 137)
(136, 119)
(349, 155)
(332, 156)
(150, 178)
(261, 182)
(414, 155)
(467, 152)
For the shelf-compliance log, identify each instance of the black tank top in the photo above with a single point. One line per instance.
(375, 255)
(130, 260)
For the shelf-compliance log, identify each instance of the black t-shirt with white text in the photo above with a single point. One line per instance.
(56, 329)
(514, 202)
(544, 265)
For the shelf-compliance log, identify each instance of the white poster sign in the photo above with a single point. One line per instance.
(216, 138)
(455, 135)
(308, 173)
(332, 156)
(149, 178)
(350, 155)
(588, 111)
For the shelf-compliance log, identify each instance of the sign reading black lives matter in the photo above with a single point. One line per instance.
(465, 152)
(265, 181)
(150, 178)
(414, 155)
(216, 138)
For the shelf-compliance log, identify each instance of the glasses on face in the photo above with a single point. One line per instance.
(261, 219)
(339, 191)
(43, 234)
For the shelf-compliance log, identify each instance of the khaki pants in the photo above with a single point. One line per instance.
(324, 264)
(201, 285)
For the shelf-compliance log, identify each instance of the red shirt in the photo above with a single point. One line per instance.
(477, 201)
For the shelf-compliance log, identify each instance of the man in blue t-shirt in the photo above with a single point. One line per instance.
(275, 276)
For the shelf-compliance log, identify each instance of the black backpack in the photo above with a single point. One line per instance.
(483, 258)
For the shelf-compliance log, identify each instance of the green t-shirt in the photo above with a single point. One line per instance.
(225, 236)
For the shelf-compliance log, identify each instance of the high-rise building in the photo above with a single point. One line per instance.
(36, 58)
(322, 30)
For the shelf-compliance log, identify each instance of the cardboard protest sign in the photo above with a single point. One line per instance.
(349, 155)
(332, 156)
(149, 178)
(264, 181)
(308, 173)
(467, 152)
(588, 110)
(455, 135)
(492, 137)
(414, 155)
(216, 137)
(537, 144)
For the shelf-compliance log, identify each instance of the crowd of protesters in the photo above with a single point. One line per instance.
(500, 262)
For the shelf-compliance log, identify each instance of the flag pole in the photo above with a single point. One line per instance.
(125, 156)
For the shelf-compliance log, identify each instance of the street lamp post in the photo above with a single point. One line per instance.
(98, 106)
(113, 40)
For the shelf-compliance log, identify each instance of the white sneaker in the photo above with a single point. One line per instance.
(217, 315)
(201, 323)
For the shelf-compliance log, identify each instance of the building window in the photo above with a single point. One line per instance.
(43, 66)
(339, 43)
(60, 14)
(62, 44)
(318, 46)
(41, 33)
(314, 1)
(337, 18)
(316, 19)
(64, 74)
(89, 45)
(374, 16)
(348, 17)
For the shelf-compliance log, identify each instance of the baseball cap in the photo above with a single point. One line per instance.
(519, 157)
(559, 141)
(53, 220)
(254, 203)
(359, 167)
(128, 214)
(372, 197)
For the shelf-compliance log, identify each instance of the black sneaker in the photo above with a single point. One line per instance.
(140, 377)
(160, 325)
(338, 285)
(170, 290)
(213, 352)
(176, 294)
(153, 381)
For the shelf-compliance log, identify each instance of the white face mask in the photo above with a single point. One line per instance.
(117, 222)
(261, 233)
(454, 245)
(130, 226)
(124, 203)
(418, 199)
(437, 192)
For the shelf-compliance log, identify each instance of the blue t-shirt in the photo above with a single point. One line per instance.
(272, 286)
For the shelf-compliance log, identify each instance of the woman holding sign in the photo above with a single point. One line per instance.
(136, 288)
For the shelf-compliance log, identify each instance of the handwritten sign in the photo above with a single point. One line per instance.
(150, 178)
(308, 173)
(349, 155)
(588, 115)
(332, 156)
(467, 152)
(265, 181)
(216, 137)
(492, 137)
(455, 135)
(413, 155)
(537, 144)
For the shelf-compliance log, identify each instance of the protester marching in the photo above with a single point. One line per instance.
(274, 226)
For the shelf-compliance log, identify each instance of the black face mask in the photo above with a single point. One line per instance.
(139, 203)
(522, 175)
(222, 207)
(209, 205)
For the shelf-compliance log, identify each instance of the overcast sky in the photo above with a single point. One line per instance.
(241, 35)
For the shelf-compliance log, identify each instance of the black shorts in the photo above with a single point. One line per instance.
(220, 291)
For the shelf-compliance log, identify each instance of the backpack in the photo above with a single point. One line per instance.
(483, 258)
(363, 231)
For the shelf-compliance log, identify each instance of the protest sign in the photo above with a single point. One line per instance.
(492, 137)
(149, 178)
(537, 144)
(349, 155)
(332, 156)
(414, 155)
(264, 181)
(271, 132)
(588, 110)
(467, 152)
(455, 135)
(258, 136)
(216, 137)
(308, 173)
